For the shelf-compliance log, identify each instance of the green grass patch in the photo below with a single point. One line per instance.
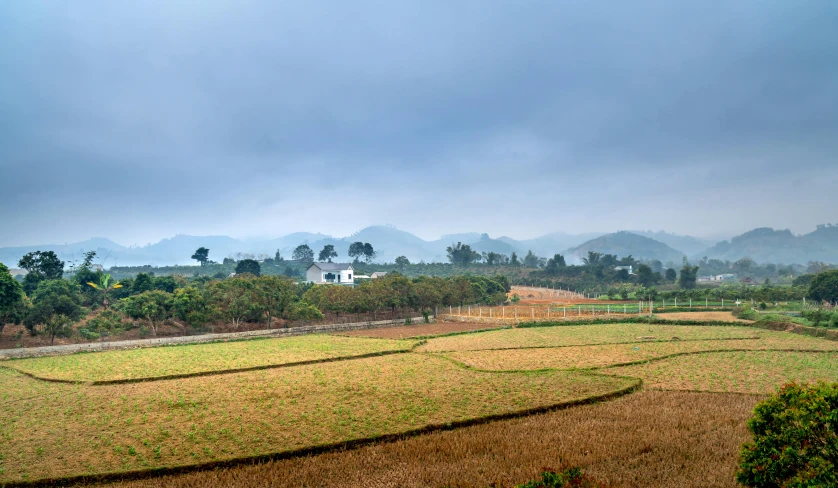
(202, 358)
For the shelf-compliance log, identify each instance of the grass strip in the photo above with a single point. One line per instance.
(137, 365)
(211, 373)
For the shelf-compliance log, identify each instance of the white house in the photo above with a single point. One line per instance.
(630, 269)
(338, 273)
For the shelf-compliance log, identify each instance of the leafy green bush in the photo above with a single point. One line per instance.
(109, 320)
(822, 318)
(88, 334)
(569, 478)
(795, 439)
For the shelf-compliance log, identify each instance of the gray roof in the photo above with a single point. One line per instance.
(332, 266)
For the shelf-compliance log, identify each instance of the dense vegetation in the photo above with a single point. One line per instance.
(56, 304)
(795, 439)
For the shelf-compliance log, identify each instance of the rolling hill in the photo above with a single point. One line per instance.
(767, 245)
(625, 243)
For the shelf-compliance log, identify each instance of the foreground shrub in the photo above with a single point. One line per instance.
(569, 478)
(795, 439)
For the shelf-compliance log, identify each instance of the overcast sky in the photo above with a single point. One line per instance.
(139, 120)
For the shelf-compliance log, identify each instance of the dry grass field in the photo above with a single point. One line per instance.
(421, 330)
(651, 439)
(708, 316)
(201, 358)
(683, 429)
(611, 354)
(741, 371)
(580, 335)
(52, 429)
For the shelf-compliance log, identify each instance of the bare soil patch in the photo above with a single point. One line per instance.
(703, 316)
(648, 439)
(408, 331)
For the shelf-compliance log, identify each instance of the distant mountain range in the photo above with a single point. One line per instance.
(761, 245)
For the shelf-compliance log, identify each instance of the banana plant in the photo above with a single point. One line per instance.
(105, 286)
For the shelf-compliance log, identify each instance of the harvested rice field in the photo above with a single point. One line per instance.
(656, 439)
(706, 316)
(568, 357)
(741, 371)
(112, 428)
(580, 335)
(421, 330)
(697, 386)
(201, 358)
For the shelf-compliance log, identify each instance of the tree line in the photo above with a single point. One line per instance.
(50, 304)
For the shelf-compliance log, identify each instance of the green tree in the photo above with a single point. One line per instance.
(56, 306)
(426, 293)
(356, 250)
(461, 254)
(671, 275)
(192, 305)
(531, 260)
(795, 439)
(824, 287)
(201, 255)
(303, 254)
(645, 276)
(327, 253)
(688, 277)
(155, 306)
(274, 295)
(369, 252)
(402, 261)
(235, 299)
(554, 264)
(88, 259)
(513, 260)
(248, 266)
(142, 283)
(11, 298)
(105, 285)
(593, 258)
(40, 266)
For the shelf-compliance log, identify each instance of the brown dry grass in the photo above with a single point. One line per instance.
(649, 439)
(51, 430)
(701, 316)
(578, 335)
(409, 331)
(746, 371)
(605, 355)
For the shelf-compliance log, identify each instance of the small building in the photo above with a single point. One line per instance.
(723, 277)
(630, 269)
(337, 273)
(378, 274)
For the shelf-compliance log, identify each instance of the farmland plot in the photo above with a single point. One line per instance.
(202, 358)
(52, 430)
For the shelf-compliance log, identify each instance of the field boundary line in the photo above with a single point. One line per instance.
(596, 344)
(636, 384)
(716, 351)
(198, 374)
(619, 365)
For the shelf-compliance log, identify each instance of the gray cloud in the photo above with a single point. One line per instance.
(139, 120)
